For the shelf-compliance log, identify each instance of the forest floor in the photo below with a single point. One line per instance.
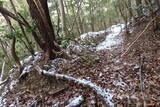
(130, 81)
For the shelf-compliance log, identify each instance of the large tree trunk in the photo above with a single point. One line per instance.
(45, 9)
(40, 13)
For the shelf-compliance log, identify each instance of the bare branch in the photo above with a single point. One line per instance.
(8, 13)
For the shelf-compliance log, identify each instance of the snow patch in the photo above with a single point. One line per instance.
(76, 101)
(27, 60)
(106, 69)
(119, 83)
(112, 39)
(26, 70)
(37, 58)
(3, 100)
(75, 48)
(13, 83)
(57, 104)
(92, 34)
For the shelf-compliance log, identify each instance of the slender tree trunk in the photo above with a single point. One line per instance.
(34, 33)
(80, 25)
(157, 3)
(29, 47)
(10, 30)
(58, 20)
(13, 42)
(129, 7)
(92, 16)
(139, 10)
(5, 51)
(62, 11)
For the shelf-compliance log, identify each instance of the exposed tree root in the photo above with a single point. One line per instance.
(107, 97)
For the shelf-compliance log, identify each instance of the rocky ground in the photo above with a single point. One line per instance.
(93, 77)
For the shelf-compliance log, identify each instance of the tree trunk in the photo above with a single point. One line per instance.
(39, 12)
(29, 47)
(129, 7)
(62, 11)
(157, 3)
(5, 51)
(13, 43)
(139, 10)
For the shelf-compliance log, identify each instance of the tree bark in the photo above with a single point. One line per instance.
(39, 12)
(62, 11)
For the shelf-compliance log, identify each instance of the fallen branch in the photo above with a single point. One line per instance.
(129, 47)
(107, 97)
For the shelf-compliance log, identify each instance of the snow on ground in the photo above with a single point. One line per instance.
(13, 84)
(3, 100)
(27, 60)
(26, 70)
(112, 39)
(92, 34)
(76, 101)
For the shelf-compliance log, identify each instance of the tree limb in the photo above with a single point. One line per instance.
(8, 13)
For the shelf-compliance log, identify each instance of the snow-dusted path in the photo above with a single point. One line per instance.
(113, 38)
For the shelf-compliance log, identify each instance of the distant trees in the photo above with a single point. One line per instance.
(135, 10)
